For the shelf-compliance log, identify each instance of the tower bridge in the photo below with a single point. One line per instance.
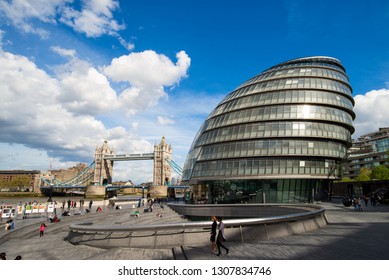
(100, 171)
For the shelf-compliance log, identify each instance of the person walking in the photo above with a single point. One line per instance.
(366, 200)
(213, 234)
(90, 204)
(42, 230)
(221, 237)
(359, 204)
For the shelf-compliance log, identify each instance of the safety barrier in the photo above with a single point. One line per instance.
(300, 219)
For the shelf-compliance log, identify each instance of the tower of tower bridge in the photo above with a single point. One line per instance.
(162, 170)
(103, 167)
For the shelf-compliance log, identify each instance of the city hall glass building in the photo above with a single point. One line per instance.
(280, 137)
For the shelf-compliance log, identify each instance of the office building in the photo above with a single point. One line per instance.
(279, 137)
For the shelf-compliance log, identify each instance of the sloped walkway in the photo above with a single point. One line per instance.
(24, 240)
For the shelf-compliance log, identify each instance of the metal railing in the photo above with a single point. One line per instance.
(88, 226)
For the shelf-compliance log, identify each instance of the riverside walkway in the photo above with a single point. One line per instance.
(348, 236)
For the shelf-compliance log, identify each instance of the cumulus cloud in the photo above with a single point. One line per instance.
(371, 111)
(148, 69)
(147, 74)
(94, 18)
(21, 10)
(84, 90)
(34, 112)
(20, 13)
(30, 113)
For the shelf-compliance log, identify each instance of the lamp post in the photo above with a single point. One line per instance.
(50, 193)
(143, 191)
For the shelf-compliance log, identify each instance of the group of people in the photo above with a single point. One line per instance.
(357, 202)
(217, 235)
(54, 218)
(73, 203)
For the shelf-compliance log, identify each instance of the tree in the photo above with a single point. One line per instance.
(387, 155)
(17, 183)
(364, 174)
(347, 179)
(380, 172)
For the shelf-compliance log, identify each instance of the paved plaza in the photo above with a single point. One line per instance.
(349, 235)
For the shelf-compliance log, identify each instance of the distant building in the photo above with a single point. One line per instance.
(32, 175)
(128, 183)
(369, 150)
(64, 175)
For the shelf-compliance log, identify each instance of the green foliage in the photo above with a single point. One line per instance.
(380, 172)
(17, 183)
(364, 175)
(387, 153)
(347, 179)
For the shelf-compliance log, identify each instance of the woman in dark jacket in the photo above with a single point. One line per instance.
(213, 234)
(220, 237)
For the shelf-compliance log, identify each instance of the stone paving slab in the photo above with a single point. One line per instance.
(349, 236)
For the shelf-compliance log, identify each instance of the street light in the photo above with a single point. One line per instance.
(143, 191)
(50, 193)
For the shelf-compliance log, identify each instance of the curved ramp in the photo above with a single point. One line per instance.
(266, 221)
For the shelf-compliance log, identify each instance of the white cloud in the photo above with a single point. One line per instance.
(126, 45)
(165, 120)
(64, 52)
(137, 171)
(103, 7)
(94, 19)
(148, 69)
(31, 114)
(371, 111)
(147, 73)
(1, 37)
(84, 90)
(20, 12)
(29, 110)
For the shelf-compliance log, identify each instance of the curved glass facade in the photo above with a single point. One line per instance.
(279, 137)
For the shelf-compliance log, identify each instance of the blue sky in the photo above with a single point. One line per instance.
(76, 73)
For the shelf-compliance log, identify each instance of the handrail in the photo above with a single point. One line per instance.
(88, 226)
